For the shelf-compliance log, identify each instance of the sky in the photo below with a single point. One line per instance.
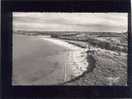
(90, 22)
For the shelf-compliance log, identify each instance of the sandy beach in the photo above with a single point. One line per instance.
(39, 60)
(77, 56)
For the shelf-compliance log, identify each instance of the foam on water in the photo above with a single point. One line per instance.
(77, 56)
(61, 43)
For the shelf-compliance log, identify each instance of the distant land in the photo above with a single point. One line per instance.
(69, 33)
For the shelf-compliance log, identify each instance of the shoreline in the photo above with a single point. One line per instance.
(77, 57)
(103, 67)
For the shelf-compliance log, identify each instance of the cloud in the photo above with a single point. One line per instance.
(95, 22)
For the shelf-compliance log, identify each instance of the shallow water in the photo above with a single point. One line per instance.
(41, 60)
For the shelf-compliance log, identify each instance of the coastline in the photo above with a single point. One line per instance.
(54, 61)
(77, 57)
(70, 64)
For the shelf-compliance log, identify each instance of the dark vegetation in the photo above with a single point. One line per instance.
(105, 44)
(103, 70)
